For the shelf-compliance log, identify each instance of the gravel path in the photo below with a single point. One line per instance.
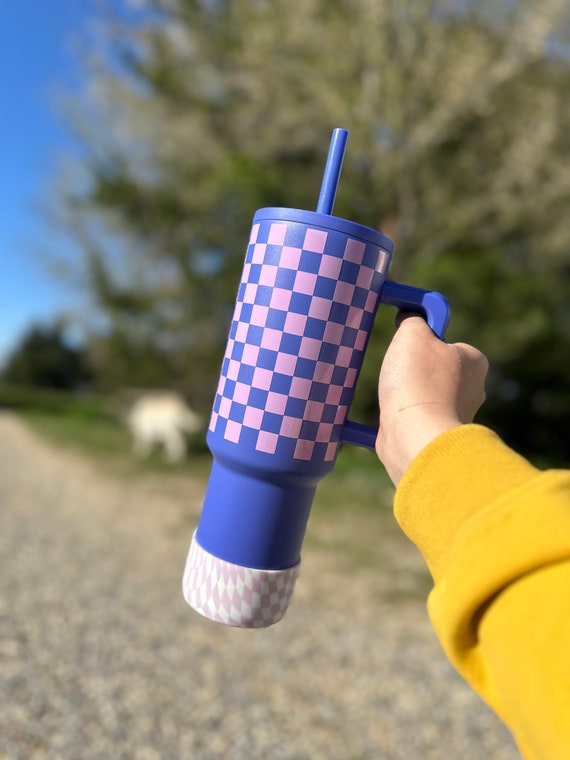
(100, 658)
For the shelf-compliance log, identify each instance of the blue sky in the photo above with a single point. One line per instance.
(36, 60)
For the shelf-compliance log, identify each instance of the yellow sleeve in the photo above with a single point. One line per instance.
(495, 533)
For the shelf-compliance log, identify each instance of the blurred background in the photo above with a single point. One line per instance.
(138, 139)
(141, 136)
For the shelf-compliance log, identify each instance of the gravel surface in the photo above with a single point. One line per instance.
(100, 657)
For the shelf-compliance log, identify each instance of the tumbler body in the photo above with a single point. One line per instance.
(307, 299)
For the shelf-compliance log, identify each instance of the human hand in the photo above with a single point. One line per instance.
(426, 387)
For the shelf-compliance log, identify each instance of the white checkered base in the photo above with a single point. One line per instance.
(238, 596)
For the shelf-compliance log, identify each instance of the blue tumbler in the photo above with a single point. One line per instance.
(309, 292)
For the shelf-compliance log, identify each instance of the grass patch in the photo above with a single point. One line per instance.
(96, 436)
(351, 516)
(82, 422)
(358, 479)
(91, 425)
(352, 512)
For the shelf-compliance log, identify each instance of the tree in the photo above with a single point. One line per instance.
(45, 359)
(201, 112)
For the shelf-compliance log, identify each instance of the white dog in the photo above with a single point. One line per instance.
(162, 419)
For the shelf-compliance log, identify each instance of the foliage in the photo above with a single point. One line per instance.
(45, 359)
(197, 113)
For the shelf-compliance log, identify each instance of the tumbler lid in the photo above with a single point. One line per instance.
(325, 222)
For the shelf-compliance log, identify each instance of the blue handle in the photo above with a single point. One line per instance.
(434, 308)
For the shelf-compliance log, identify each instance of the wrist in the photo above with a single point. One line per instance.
(402, 437)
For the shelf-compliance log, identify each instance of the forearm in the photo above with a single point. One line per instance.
(495, 533)
(524, 637)
(454, 478)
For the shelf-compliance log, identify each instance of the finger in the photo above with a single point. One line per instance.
(402, 316)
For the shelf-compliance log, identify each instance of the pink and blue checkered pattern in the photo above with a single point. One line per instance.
(303, 315)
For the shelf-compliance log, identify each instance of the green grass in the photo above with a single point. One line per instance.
(352, 511)
(351, 516)
(96, 436)
(89, 424)
(357, 478)
(78, 421)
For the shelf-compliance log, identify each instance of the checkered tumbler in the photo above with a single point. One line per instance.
(306, 304)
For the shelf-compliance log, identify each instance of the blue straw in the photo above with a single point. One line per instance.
(332, 171)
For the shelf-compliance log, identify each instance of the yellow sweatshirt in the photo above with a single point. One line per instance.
(495, 533)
